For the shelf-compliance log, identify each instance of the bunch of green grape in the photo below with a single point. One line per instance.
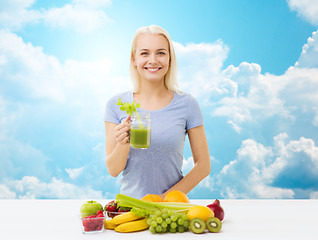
(168, 221)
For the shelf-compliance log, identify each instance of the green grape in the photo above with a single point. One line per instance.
(170, 212)
(180, 229)
(173, 225)
(168, 220)
(174, 218)
(165, 210)
(180, 221)
(185, 217)
(152, 229)
(186, 224)
(149, 220)
(164, 215)
(158, 229)
(153, 224)
(159, 220)
(164, 224)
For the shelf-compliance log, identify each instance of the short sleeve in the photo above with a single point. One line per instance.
(111, 114)
(194, 114)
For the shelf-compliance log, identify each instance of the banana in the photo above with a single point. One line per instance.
(109, 225)
(124, 217)
(133, 226)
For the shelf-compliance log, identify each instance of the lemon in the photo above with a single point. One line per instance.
(200, 212)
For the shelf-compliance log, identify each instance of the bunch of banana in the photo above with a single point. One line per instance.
(127, 222)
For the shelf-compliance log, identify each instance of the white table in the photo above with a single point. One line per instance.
(244, 219)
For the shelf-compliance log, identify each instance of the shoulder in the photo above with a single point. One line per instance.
(184, 97)
(112, 111)
(125, 97)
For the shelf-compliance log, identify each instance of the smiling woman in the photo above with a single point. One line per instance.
(152, 63)
(157, 169)
(145, 48)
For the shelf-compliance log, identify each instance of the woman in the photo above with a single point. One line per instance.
(158, 169)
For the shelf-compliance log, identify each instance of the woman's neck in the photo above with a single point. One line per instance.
(153, 97)
(152, 89)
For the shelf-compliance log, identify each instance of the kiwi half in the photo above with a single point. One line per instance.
(213, 224)
(197, 225)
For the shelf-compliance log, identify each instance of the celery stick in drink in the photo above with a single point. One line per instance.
(140, 125)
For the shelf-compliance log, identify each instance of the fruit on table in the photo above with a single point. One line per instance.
(109, 225)
(176, 196)
(111, 206)
(132, 226)
(200, 212)
(168, 221)
(111, 209)
(90, 208)
(197, 225)
(124, 217)
(152, 198)
(93, 222)
(123, 209)
(214, 224)
(217, 209)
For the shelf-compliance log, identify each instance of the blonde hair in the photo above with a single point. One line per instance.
(171, 76)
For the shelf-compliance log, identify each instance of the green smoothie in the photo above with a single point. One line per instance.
(140, 137)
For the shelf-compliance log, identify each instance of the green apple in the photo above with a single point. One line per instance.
(90, 208)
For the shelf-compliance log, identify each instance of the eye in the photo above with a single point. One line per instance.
(144, 53)
(161, 53)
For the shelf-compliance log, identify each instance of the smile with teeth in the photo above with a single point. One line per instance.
(152, 69)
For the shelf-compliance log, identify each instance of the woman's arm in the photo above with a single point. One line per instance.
(201, 160)
(117, 146)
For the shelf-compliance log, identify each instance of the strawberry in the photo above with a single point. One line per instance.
(123, 209)
(110, 208)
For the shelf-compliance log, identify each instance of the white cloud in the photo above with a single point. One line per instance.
(19, 158)
(242, 94)
(314, 195)
(28, 69)
(6, 193)
(256, 97)
(30, 187)
(78, 17)
(92, 3)
(74, 172)
(16, 13)
(305, 8)
(271, 172)
(31, 74)
(81, 15)
(309, 54)
(199, 68)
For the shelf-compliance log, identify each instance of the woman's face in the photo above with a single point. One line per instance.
(152, 57)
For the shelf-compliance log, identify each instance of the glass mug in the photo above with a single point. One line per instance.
(140, 130)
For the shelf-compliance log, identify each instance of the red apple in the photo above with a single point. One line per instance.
(217, 209)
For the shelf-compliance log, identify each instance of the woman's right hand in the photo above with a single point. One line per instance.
(122, 131)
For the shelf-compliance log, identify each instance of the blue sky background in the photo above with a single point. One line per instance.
(252, 65)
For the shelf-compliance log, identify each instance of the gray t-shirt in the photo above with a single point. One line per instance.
(158, 168)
